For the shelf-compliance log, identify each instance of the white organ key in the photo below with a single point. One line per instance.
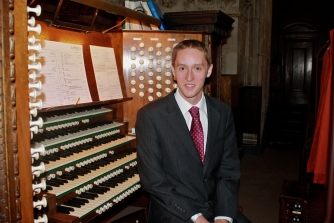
(38, 104)
(31, 21)
(112, 194)
(40, 219)
(38, 122)
(37, 85)
(37, 10)
(82, 180)
(66, 160)
(35, 66)
(41, 203)
(36, 47)
(37, 29)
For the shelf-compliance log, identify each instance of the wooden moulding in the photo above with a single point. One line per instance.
(209, 21)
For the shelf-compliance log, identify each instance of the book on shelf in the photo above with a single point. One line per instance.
(148, 12)
(157, 13)
(132, 24)
(138, 7)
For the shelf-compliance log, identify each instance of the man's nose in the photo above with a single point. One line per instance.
(190, 75)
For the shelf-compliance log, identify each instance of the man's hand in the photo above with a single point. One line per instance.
(201, 219)
(221, 221)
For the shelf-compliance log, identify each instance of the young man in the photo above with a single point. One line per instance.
(185, 185)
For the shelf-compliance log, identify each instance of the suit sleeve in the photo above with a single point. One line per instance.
(227, 180)
(150, 169)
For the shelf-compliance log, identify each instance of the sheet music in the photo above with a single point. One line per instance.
(63, 68)
(106, 73)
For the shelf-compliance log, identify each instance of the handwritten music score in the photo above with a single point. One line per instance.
(63, 74)
(106, 73)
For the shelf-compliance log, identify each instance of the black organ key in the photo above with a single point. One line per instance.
(67, 177)
(87, 196)
(109, 184)
(56, 182)
(84, 201)
(96, 191)
(63, 209)
(72, 203)
(52, 183)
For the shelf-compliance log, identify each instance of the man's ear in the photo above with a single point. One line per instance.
(209, 70)
(173, 73)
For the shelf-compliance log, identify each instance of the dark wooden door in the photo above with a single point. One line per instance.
(298, 69)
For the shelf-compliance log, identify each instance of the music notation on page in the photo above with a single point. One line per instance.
(106, 73)
(63, 74)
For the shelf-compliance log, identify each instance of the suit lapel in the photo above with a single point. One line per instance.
(179, 126)
(213, 124)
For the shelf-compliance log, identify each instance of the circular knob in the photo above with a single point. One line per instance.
(41, 203)
(34, 129)
(41, 185)
(37, 10)
(37, 85)
(38, 149)
(37, 29)
(35, 66)
(33, 94)
(38, 104)
(37, 47)
(33, 112)
(31, 21)
(40, 168)
(32, 40)
(43, 219)
(38, 122)
(32, 75)
(32, 58)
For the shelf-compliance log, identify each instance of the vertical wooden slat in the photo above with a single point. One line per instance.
(8, 196)
(22, 110)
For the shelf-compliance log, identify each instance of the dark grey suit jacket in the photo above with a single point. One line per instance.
(170, 168)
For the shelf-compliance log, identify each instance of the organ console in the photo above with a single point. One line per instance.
(75, 162)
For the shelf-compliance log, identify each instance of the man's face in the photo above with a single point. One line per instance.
(190, 71)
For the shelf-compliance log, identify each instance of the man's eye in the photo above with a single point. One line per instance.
(198, 68)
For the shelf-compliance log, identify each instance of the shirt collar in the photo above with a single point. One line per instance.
(185, 106)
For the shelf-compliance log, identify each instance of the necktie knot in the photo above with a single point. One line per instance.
(194, 112)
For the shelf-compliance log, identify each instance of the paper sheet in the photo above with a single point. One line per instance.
(106, 73)
(63, 73)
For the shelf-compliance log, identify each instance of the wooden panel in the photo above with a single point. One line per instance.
(142, 85)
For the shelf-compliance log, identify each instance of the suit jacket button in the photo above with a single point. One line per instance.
(205, 179)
